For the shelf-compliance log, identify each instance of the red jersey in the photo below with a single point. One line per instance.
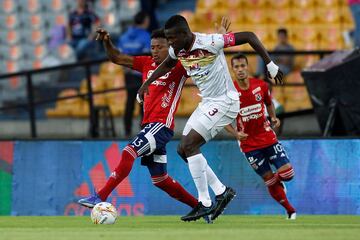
(252, 118)
(162, 101)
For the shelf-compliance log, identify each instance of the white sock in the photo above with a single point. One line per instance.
(214, 182)
(197, 165)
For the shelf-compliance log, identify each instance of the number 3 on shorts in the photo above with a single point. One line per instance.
(213, 111)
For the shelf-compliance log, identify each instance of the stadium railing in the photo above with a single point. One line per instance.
(31, 104)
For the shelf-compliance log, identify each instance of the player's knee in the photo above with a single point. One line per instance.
(270, 180)
(286, 174)
(189, 148)
(181, 152)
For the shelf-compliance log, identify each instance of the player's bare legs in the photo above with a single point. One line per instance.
(276, 188)
(203, 176)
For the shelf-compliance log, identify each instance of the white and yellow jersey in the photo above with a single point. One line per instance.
(205, 63)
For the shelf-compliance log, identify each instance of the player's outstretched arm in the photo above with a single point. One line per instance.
(275, 75)
(112, 52)
(161, 70)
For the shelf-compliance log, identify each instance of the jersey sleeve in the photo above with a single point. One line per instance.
(172, 53)
(220, 41)
(267, 94)
(139, 63)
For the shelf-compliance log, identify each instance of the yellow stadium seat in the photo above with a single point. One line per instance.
(305, 32)
(327, 3)
(296, 98)
(279, 3)
(304, 3)
(109, 67)
(306, 44)
(254, 3)
(233, 4)
(330, 32)
(277, 93)
(205, 5)
(304, 15)
(328, 15)
(331, 45)
(256, 15)
(346, 16)
(68, 107)
(280, 16)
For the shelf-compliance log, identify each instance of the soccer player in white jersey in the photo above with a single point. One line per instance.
(203, 58)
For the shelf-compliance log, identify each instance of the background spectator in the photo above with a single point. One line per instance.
(285, 62)
(82, 25)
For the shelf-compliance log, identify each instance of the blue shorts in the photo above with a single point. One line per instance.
(150, 143)
(262, 159)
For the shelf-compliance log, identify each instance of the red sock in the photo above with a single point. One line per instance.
(174, 189)
(128, 156)
(277, 192)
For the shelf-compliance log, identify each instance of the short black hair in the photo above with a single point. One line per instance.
(158, 33)
(239, 56)
(176, 21)
(140, 17)
(283, 31)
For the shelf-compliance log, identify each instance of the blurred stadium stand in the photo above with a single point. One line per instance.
(27, 28)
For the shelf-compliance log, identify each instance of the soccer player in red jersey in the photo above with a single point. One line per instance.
(160, 106)
(256, 138)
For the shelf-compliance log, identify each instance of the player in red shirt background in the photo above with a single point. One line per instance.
(256, 137)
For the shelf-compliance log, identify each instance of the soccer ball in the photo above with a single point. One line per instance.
(103, 213)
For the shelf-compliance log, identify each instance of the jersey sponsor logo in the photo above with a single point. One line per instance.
(163, 77)
(252, 117)
(166, 99)
(258, 97)
(258, 89)
(250, 109)
(252, 160)
(261, 162)
(272, 157)
(158, 83)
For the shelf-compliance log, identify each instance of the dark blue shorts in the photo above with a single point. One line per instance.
(262, 159)
(150, 143)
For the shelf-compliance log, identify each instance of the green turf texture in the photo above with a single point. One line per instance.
(230, 227)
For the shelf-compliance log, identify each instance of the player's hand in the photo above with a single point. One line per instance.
(144, 89)
(275, 122)
(241, 136)
(102, 35)
(274, 73)
(224, 27)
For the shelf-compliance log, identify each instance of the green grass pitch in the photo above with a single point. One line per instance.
(226, 227)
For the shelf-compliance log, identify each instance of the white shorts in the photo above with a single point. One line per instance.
(210, 117)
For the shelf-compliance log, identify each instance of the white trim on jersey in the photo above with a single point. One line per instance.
(174, 103)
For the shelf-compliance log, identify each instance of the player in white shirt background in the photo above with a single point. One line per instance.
(203, 58)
